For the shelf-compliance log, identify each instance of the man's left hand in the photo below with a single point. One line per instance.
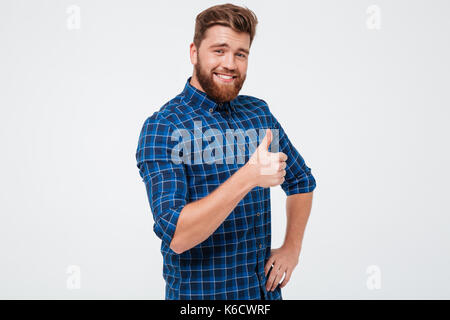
(284, 261)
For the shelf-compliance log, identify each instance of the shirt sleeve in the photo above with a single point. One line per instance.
(299, 178)
(165, 180)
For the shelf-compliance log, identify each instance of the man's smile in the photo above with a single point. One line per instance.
(224, 77)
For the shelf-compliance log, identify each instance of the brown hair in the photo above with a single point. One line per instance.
(240, 19)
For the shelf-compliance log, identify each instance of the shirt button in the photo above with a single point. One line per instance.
(260, 245)
(258, 214)
(211, 110)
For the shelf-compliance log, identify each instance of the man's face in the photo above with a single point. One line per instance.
(220, 64)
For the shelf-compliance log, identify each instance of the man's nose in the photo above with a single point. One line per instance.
(229, 62)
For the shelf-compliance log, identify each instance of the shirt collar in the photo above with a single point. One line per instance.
(199, 98)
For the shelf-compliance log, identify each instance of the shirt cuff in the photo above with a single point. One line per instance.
(304, 184)
(167, 223)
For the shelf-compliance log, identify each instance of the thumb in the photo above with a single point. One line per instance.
(265, 143)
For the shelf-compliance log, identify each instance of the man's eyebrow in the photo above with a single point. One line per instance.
(227, 46)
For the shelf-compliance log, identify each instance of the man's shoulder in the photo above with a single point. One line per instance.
(158, 128)
(252, 104)
(171, 113)
(246, 99)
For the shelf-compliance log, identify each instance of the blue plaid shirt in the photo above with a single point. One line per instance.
(229, 264)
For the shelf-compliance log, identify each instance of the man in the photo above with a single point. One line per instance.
(214, 218)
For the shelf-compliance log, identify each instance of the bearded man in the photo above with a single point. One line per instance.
(214, 219)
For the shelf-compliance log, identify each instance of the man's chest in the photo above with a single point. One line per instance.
(213, 145)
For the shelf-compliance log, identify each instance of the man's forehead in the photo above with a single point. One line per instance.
(219, 35)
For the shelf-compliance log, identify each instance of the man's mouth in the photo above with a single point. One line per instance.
(225, 77)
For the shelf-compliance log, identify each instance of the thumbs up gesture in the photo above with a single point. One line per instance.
(267, 169)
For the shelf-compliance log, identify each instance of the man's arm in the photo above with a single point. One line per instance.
(285, 258)
(181, 224)
(199, 219)
(298, 186)
(298, 208)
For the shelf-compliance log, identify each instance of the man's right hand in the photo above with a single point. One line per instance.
(266, 169)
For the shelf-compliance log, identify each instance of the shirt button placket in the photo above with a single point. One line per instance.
(263, 293)
(260, 254)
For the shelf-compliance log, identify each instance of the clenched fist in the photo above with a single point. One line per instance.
(266, 169)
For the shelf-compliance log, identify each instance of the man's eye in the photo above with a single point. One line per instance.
(242, 55)
(219, 51)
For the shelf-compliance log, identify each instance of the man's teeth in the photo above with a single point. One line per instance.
(223, 76)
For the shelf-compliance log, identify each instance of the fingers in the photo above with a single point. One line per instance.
(278, 277)
(274, 278)
(269, 138)
(282, 166)
(281, 173)
(286, 278)
(280, 159)
(265, 143)
(280, 267)
(271, 279)
(283, 156)
(269, 265)
(281, 176)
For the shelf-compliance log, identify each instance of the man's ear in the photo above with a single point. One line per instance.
(193, 53)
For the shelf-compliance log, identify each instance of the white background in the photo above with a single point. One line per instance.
(366, 108)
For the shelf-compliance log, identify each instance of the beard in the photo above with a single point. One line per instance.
(222, 92)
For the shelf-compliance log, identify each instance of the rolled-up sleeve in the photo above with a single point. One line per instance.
(299, 178)
(165, 180)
